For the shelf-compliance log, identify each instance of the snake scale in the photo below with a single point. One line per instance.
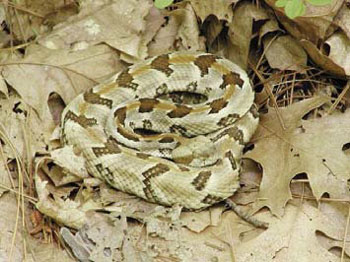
(170, 129)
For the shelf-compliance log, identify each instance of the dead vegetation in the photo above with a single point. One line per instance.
(296, 170)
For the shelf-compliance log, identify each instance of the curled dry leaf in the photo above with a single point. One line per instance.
(58, 71)
(17, 123)
(311, 146)
(188, 34)
(285, 53)
(64, 212)
(293, 238)
(99, 234)
(70, 162)
(315, 25)
(339, 45)
(343, 20)
(222, 9)
(120, 24)
(241, 31)
(321, 59)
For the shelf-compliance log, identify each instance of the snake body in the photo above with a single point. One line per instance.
(170, 129)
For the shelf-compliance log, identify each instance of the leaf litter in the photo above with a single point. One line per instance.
(295, 173)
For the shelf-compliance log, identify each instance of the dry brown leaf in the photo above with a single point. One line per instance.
(337, 61)
(72, 213)
(222, 9)
(241, 30)
(97, 236)
(339, 45)
(163, 41)
(293, 238)
(321, 59)
(315, 25)
(211, 30)
(11, 216)
(73, 164)
(18, 122)
(188, 35)
(285, 53)
(44, 252)
(268, 27)
(3, 87)
(180, 32)
(197, 222)
(26, 17)
(44, 71)
(343, 20)
(313, 147)
(121, 24)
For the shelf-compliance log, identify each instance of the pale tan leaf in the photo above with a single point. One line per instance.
(285, 53)
(44, 71)
(343, 20)
(121, 24)
(293, 238)
(321, 59)
(18, 122)
(339, 45)
(163, 41)
(197, 222)
(315, 25)
(73, 164)
(188, 31)
(313, 147)
(66, 212)
(241, 30)
(3, 87)
(222, 9)
(100, 233)
(26, 18)
(43, 252)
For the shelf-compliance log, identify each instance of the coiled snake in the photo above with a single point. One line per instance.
(170, 129)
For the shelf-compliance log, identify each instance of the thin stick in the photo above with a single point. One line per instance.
(245, 216)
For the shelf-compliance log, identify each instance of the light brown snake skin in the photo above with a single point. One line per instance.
(141, 134)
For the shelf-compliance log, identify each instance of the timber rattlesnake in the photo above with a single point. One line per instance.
(188, 151)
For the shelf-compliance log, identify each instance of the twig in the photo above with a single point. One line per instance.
(245, 216)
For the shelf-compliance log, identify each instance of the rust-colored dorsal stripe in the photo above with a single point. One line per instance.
(110, 147)
(125, 79)
(140, 70)
(179, 111)
(166, 139)
(200, 181)
(147, 104)
(204, 62)
(127, 134)
(156, 170)
(81, 120)
(217, 105)
(161, 63)
(231, 78)
(143, 155)
(94, 98)
(232, 160)
(182, 59)
(120, 113)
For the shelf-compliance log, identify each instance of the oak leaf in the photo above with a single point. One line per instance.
(313, 147)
